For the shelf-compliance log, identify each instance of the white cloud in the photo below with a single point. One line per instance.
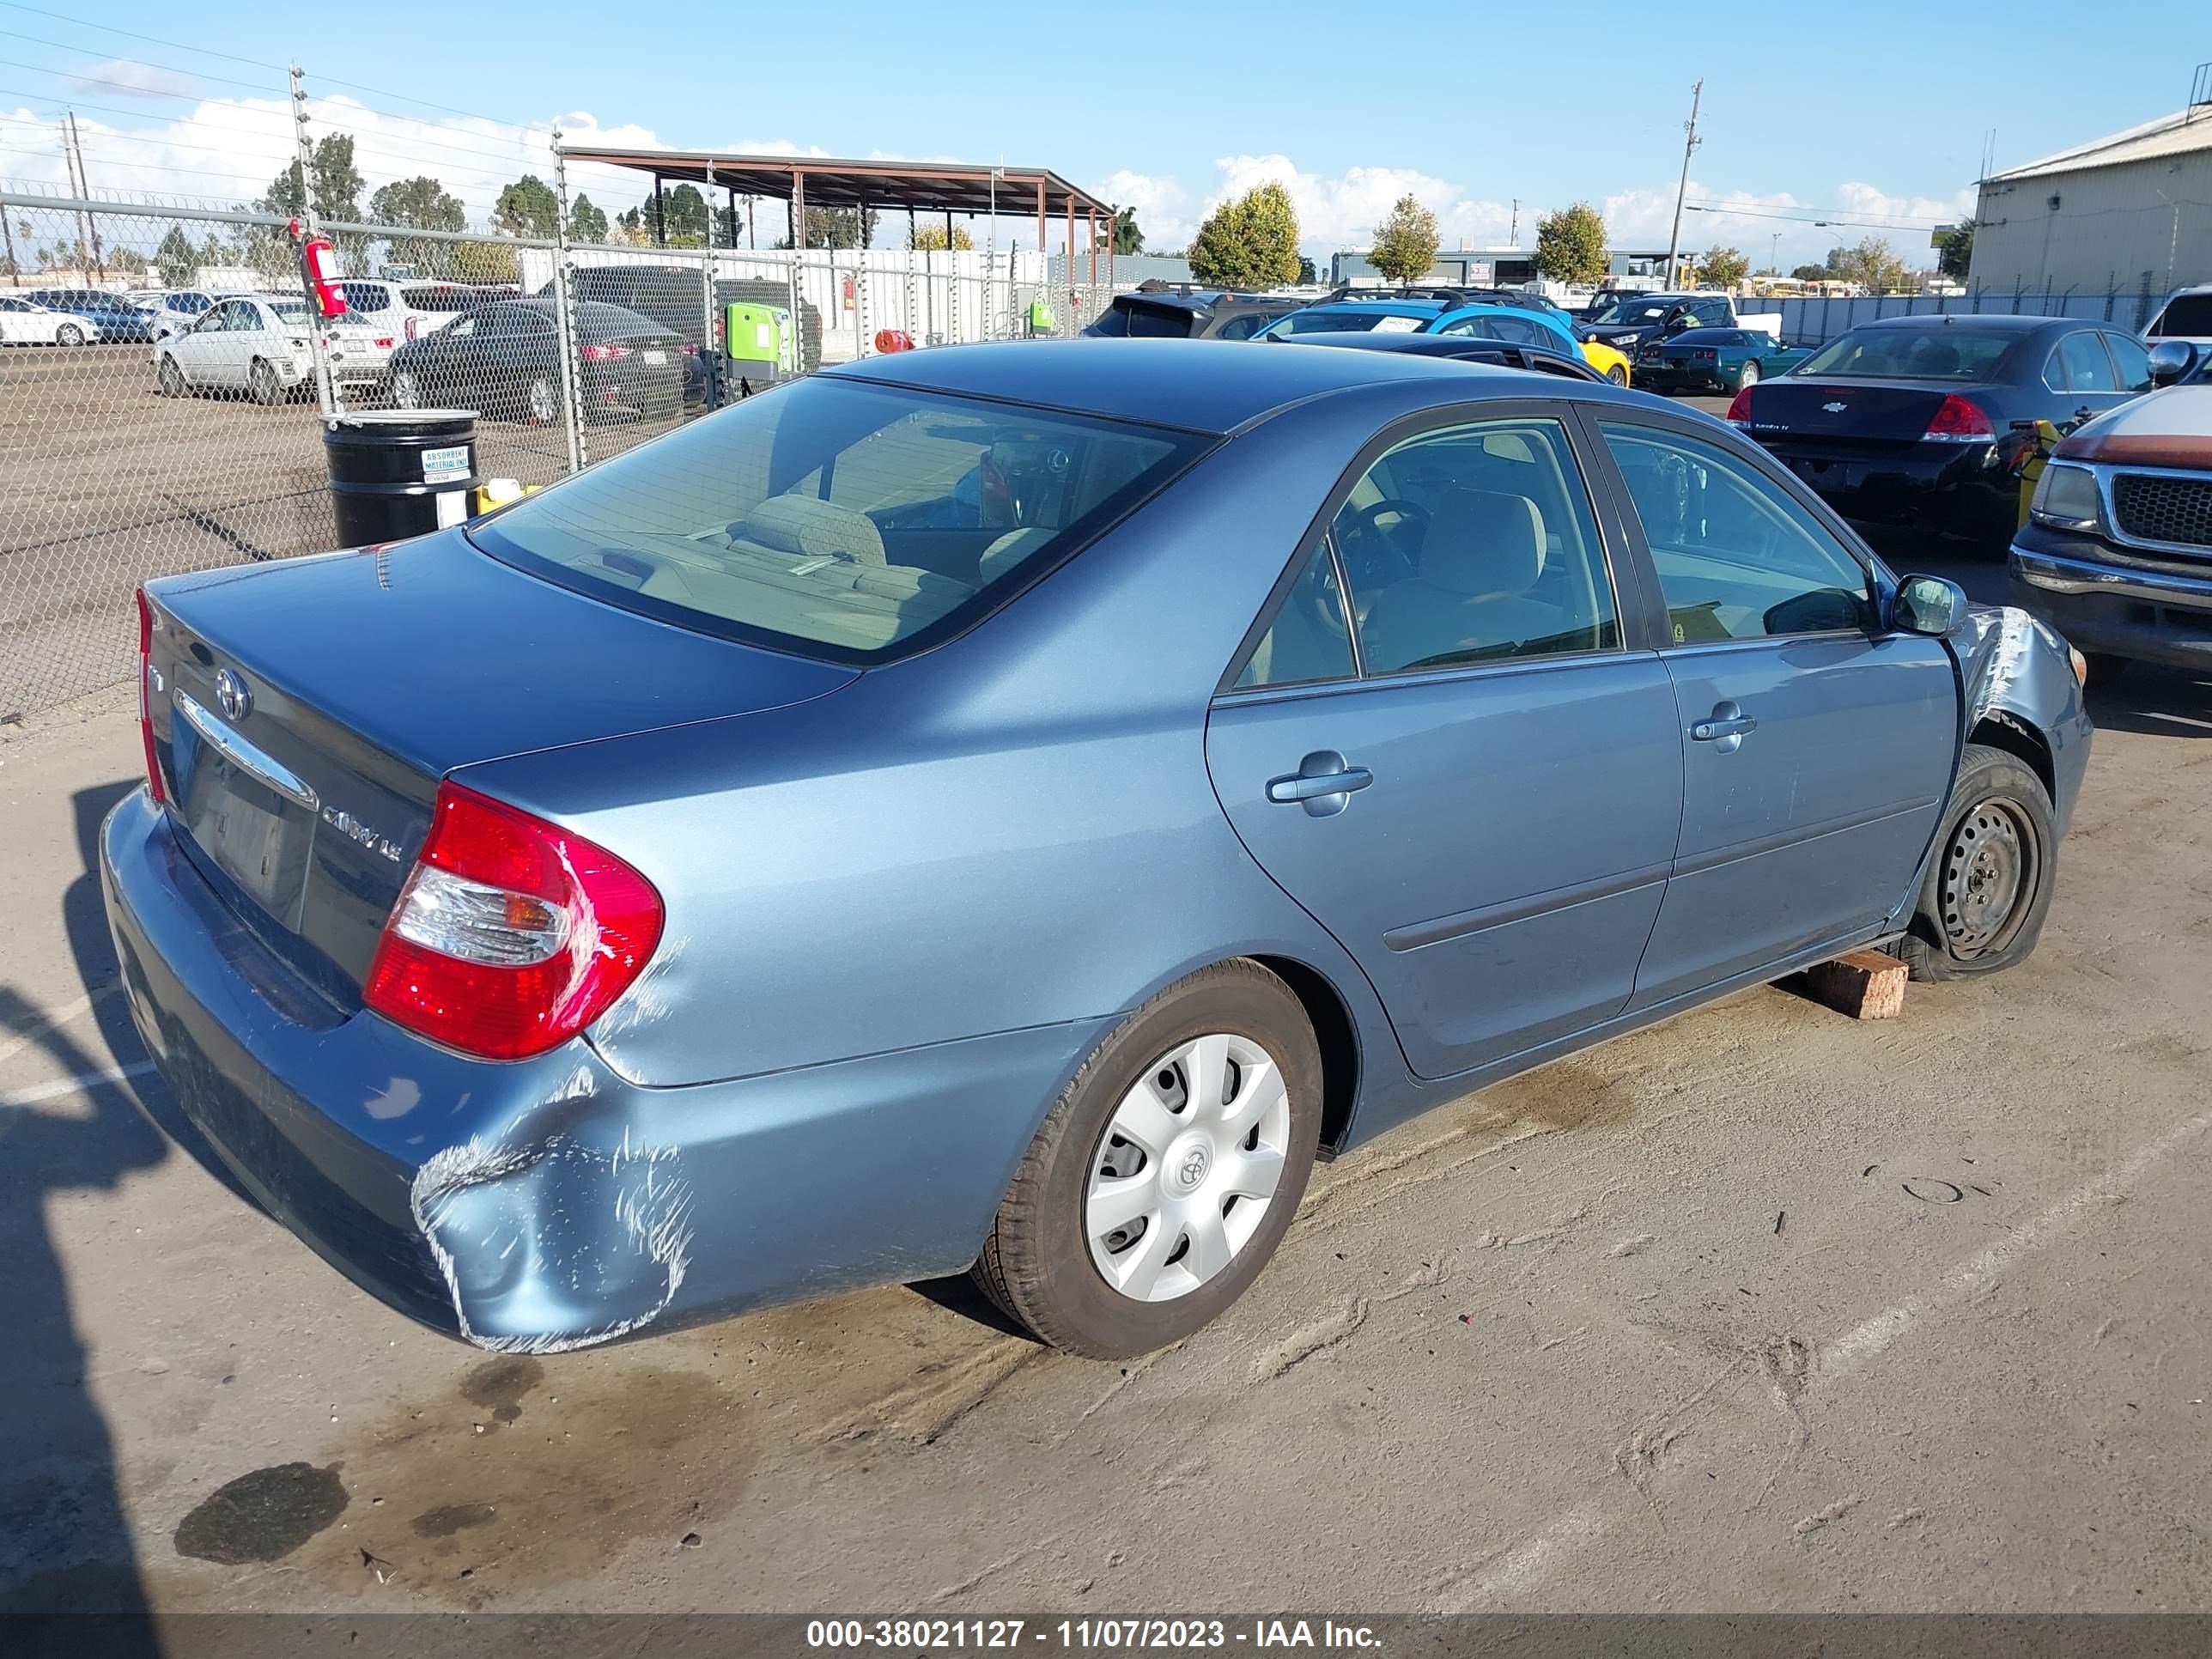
(128, 78)
(1751, 223)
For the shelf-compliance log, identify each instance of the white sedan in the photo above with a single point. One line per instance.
(24, 322)
(258, 345)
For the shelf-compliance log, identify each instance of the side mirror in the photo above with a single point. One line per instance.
(2171, 360)
(1928, 605)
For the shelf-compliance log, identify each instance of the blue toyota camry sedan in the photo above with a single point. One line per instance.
(1011, 808)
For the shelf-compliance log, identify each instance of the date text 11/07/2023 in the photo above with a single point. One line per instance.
(1086, 1635)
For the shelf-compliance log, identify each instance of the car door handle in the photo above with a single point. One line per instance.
(1324, 783)
(1725, 725)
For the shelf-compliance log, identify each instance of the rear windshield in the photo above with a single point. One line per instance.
(1911, 354)
(441, 298)
(1140, 321)
(838, 519)
(1344, 322)
(2188, 314)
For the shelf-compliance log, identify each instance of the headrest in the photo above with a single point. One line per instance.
(1010, 550)
(800, 524)
(1935, 357)
(1483, 541)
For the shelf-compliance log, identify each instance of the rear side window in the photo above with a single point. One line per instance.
(2088, 367)
(837, 518)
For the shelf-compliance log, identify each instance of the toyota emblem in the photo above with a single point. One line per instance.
(230, 691)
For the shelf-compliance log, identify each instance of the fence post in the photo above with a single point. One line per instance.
(564, 313)
(317, 349)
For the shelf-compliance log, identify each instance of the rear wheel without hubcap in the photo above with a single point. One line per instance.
(68, 334)
(544, 402)
(263, 380)
(406, 390)
(1166, 1173)
(1748, 377)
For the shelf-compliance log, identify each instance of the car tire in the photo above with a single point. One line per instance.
(1747, 376)
(1618, 375)
(172, 379)
(406, 390)
(541, 401)
(263, 384)
(68, 334)
(1236, 1023)
(1990, 879)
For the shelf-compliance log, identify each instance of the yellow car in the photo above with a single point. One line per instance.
(1614, 365)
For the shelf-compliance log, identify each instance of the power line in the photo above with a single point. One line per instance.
(117, 57)
(133, 34)
(1790, 209)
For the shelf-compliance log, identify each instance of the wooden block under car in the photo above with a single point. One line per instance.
(1865, 984)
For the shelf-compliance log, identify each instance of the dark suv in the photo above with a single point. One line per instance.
(1193, 314)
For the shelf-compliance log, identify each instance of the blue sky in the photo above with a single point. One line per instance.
(1872, 113)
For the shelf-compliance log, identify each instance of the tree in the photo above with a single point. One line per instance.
(586, 223)
(1571, 246)
(1722, 267)
(1954, 251)
(931, 238)
(1128, 239)
(177, 257)
(1813, 274)
(528, 208)
(1251, 242)
(629, 227)
(1871, 265)
(333, 184)
(1307, 275)
(417, 203)
(1406, 243)
(483, 262)
(828, 226)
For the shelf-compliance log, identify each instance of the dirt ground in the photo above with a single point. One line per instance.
(1760, 1309)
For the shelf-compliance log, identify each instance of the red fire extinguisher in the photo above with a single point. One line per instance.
(319, 266)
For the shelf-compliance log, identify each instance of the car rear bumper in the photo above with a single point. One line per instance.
(1962, 489)
(547, 1205)
(2102, 606)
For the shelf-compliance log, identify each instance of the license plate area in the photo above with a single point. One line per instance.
(250, 816)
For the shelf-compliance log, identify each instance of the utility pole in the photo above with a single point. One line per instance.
(318, 347)
(1513, 236)
(572, 407)
(88, 228)
(8, 230)
(1689, 147)
(1774, 256)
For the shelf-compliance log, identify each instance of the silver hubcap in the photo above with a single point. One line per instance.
(1987, 878)
(404, 392)
(1751, 373)
(541, 402)
(1187, 1168)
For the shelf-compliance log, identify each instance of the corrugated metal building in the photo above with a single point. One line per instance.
(2130, 213)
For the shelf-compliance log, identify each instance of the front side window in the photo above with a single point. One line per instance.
(838, 518)
(1737, 558)
(2132, 361)
(1474, 544)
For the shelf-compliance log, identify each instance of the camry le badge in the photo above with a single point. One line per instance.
(351, 827)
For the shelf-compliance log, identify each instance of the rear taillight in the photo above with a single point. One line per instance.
(154, 787)
(1703, 355)
(511, 934)
(602, 354)
(384, 345)
(1959, 421)
(690, 350)
(1739, 411)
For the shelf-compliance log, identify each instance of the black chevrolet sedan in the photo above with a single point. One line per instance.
(503, 359)
(1930, 419)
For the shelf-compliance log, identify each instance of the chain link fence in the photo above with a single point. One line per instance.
(160, 406)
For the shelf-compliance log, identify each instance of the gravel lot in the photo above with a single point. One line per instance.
(1760, 1309)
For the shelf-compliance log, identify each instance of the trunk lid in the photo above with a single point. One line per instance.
(305, 712)
(1845, 415)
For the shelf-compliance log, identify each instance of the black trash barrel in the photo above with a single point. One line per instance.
(400, 472)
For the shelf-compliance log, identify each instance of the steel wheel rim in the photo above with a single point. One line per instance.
(404, 392)
(1188, 1167)
(542, 405)
(1989, 872)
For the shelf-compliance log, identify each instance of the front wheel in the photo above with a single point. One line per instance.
(1618, 375)
(406, 390)
(172, 378)
(1167, 1171)
(542, 401)
(1989, 885)
(262, 380)
(68, 334)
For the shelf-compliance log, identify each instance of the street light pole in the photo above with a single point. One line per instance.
(1689, 146)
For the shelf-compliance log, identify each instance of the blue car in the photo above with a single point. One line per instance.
(1012, 808)
(113, 318)
(1520, 325)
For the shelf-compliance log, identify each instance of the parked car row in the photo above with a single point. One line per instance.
(72, 317)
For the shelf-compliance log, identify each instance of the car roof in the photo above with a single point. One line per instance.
(1387, 307)
(1496, 308)
(1203, 385)
(1997, 322)
(1415, 345)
